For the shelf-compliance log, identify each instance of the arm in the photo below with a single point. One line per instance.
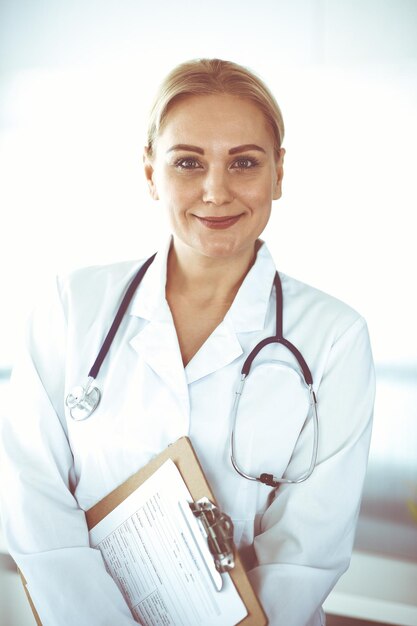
(45, 529)
(308, 531)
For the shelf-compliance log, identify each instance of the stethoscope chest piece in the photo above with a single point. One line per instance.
(83, 401)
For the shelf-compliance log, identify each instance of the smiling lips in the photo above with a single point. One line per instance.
(216, 223)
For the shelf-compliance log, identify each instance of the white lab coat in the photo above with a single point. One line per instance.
(53, 468)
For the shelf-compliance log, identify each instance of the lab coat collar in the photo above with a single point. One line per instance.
(220, 349)
(158, 343)
(149, 301)
(248, 311)
(247, 314)
(250, 306)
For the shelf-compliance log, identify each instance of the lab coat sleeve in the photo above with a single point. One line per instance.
(307, 533)
(44, 528)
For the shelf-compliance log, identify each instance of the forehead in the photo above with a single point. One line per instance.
(221, 117)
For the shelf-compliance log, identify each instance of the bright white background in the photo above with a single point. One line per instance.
(76, 81)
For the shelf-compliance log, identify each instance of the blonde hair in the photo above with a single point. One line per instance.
(212, 76)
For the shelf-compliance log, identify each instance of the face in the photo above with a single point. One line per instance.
(215, 170)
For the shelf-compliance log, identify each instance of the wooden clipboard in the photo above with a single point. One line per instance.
(185, 458)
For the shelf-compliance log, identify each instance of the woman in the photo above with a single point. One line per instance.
(214, 159)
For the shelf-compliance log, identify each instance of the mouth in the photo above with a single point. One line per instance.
(217, 223)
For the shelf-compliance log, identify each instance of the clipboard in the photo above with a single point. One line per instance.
(183, 455)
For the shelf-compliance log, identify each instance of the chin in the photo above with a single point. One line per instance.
(218, 246)
(223, 249)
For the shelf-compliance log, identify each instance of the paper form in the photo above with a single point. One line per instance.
(153, 556)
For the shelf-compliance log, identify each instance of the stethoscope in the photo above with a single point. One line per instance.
(83, 400)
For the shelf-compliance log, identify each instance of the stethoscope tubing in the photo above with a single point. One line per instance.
(83, 400)
(278, 338)
(270, 479)
(127, 298)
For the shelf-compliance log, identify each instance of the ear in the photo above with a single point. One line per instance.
(277, 190)
(149, 173)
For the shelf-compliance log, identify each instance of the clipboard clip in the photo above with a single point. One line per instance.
(218, 529)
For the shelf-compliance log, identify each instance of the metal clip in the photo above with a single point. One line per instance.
(218, 528)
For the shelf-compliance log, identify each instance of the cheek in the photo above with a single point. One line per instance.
(257, 194)
(178, 192)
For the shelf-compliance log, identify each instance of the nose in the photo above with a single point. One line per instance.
(216, 188)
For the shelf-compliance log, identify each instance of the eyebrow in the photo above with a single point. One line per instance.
(245, 147)
(184, 146)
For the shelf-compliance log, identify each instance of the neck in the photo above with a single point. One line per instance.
(205, 278)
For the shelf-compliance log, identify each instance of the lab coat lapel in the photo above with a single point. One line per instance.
(157, 342)
(157, 345)
(246, 315)
(220, 349)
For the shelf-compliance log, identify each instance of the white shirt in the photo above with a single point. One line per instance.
(296, 545)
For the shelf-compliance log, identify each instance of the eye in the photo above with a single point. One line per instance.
(187, 163)
(245, 163)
